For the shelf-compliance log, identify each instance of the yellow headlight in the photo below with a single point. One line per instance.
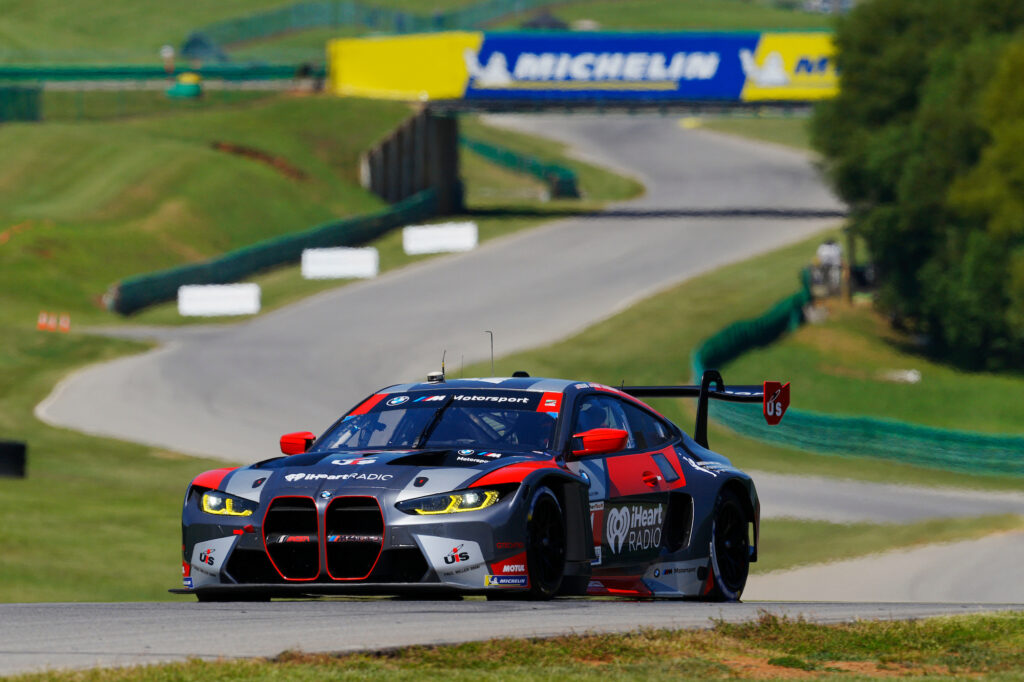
(226, 505)
(456, 502)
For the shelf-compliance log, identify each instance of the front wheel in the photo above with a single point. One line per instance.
(545, 544)
(730, 548)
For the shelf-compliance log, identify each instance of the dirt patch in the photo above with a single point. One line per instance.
(755, 667)
(276, 162)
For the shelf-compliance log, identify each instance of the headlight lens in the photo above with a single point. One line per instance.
(222, 504)
(450, 503)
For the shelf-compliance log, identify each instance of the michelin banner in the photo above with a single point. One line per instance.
(606, 67)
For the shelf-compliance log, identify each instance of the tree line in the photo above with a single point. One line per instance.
(925, 142)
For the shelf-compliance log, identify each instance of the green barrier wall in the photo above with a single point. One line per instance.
(561, 181)
(135, 293)
(19, 104)
(127, 72)
(975, 453)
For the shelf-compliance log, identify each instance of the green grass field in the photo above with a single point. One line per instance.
(963, 647)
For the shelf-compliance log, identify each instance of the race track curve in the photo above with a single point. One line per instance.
(230, 391)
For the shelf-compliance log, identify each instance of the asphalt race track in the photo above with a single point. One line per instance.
(34, 636)
(230, 392)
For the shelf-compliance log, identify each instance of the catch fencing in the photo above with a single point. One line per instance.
(20, 104)
(888, 439)
(135, 293)
(561, 181)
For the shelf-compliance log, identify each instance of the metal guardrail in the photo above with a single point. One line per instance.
(127, 72)
(965, 451)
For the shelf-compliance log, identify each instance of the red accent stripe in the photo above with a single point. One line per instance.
(615, 391)
(513, 473)
(368, 404)
(212, 479)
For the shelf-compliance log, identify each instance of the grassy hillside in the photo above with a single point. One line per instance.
(89, 203)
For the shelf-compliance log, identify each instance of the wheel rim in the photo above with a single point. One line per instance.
(547, 545)
(732, 546)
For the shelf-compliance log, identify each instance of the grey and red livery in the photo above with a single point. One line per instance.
(512, 486)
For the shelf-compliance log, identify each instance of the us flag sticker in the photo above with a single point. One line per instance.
(776, 401)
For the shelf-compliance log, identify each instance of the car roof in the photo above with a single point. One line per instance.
(487, 383)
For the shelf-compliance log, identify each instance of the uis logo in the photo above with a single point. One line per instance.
(456, 555)
(206, 558)
(398, 400)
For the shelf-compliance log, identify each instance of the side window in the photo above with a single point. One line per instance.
(598, 411)
(647, 430)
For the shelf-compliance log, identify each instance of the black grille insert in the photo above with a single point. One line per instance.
(354, 530)
(290, 533)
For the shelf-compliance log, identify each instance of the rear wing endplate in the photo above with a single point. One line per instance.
(773, 395)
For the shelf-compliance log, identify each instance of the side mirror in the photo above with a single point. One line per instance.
(296, 443)
(599, 441)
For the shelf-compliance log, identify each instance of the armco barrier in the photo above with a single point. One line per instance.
(965, 451)
(561, 181)
(302, 16)
(135, 293)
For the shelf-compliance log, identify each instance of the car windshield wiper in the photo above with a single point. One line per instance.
(434, 421)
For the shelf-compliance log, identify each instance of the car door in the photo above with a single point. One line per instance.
(629, 487)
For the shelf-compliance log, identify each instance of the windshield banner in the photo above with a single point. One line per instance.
(584, 66)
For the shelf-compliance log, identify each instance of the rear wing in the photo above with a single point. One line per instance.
(773, 395)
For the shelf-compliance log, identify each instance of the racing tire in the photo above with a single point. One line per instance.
(730, 548)
(545, 544)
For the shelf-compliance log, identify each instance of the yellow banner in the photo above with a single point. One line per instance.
(790, 66)
(413, 67)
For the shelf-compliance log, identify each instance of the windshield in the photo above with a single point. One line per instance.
(460, 426)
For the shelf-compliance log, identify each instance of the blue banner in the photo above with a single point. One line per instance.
(614, 66)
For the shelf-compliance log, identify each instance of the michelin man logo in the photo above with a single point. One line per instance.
(772, 73)
(494, 74)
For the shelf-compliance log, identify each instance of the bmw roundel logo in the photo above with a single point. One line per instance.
(398, 400)
(325, 494)
(466, 452)
(657, 573)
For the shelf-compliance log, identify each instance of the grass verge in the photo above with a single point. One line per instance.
(990, 645)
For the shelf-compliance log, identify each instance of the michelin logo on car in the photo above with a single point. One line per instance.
(641, 69)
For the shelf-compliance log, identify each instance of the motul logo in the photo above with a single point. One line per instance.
(515, 568)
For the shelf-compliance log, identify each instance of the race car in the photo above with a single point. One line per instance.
(510, 487)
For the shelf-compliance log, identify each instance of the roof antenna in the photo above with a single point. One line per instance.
(437, 377)
(492, 350)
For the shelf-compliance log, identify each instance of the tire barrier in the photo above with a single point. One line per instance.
(12, 459)
(561, 181)
(889, 439)
(135, 293)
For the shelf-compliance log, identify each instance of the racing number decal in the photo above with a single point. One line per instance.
(776, 401)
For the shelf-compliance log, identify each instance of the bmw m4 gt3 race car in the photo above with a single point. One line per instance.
(512, 486)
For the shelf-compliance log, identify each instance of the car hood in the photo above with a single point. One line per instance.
(409, 473)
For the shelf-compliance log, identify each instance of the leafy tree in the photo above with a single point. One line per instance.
(908, 124)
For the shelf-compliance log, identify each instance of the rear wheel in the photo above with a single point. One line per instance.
(730, 548)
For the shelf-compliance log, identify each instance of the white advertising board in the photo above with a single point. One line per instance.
(209, 300)
(341, 262)
(445, 237)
